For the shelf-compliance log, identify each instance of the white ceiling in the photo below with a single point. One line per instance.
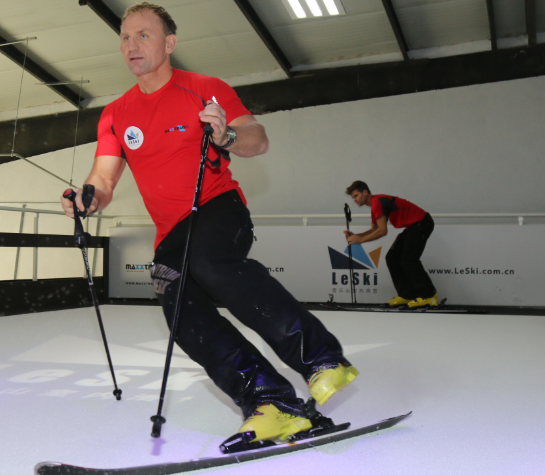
(216, 39)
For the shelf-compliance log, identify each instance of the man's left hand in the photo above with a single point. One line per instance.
(216, 117)
(352, 238)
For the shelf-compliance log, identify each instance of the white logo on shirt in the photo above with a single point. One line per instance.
(134, 137)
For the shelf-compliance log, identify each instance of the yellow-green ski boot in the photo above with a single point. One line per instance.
(397, 301)
(269, 423)
(327, 379)
(420, 302)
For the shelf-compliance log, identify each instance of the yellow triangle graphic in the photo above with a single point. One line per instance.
(375, 256)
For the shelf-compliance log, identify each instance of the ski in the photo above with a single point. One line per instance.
(54, 468)
(441, 308)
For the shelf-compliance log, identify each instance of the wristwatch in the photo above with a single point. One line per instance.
(232, 136)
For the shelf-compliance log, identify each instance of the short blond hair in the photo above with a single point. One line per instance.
(169, 27)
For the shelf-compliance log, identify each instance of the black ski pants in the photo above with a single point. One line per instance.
(220, 272)
(403, 259)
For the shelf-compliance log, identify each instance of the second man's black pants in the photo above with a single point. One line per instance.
(403, 259)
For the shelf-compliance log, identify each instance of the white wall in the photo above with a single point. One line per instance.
(471, 149)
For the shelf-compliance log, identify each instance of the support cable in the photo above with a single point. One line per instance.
(19, 100)
(76, 134)
(492, 25)
(20, 157)
(16, 155)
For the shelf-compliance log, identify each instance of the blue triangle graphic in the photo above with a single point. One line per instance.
(359, 253)
(340, 261)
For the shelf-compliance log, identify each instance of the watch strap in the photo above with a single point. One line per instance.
(231, 133)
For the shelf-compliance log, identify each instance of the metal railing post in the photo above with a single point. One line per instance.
(35, 255)
(18, 252)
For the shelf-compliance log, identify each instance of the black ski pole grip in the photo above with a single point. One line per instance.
(69, 194)
(87, 198)
(81, 238)
(347, 213)
(208, 130)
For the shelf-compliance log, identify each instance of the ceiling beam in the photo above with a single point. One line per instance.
(531, 22)
(265, 35)
(353, 83)
(390, 11)
(38, 72)
(492, 24)
(104, 12)
(39, 135)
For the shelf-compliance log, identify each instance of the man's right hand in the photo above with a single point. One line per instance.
(68, 207)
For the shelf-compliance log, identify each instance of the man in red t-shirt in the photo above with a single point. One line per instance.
(413, 284)
(156, 128)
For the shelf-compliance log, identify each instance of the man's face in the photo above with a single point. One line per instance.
(144, 44)
(359, 197)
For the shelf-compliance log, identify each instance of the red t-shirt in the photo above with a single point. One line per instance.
(160, 136)
(402, 213)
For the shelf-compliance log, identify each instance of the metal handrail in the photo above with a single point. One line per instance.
(48, 211)
(435, 215)
(321, 216)
(295, 216)
(306, 217)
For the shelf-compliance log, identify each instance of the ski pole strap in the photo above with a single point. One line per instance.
(205, 143)
(208, 131)
(221, 154)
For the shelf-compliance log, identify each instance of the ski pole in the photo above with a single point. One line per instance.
(83, 240)
(348, 216)
(158, 420)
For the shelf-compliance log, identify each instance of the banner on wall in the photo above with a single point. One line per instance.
(469, 264)
(131, 253)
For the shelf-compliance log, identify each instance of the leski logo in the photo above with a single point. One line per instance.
(134, 137)
(360, 258)
(366, 282)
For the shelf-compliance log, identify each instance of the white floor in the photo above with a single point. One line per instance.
(475, 384)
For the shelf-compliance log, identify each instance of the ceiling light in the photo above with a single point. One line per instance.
(299, 9)
(314, 8)
(331, 7)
